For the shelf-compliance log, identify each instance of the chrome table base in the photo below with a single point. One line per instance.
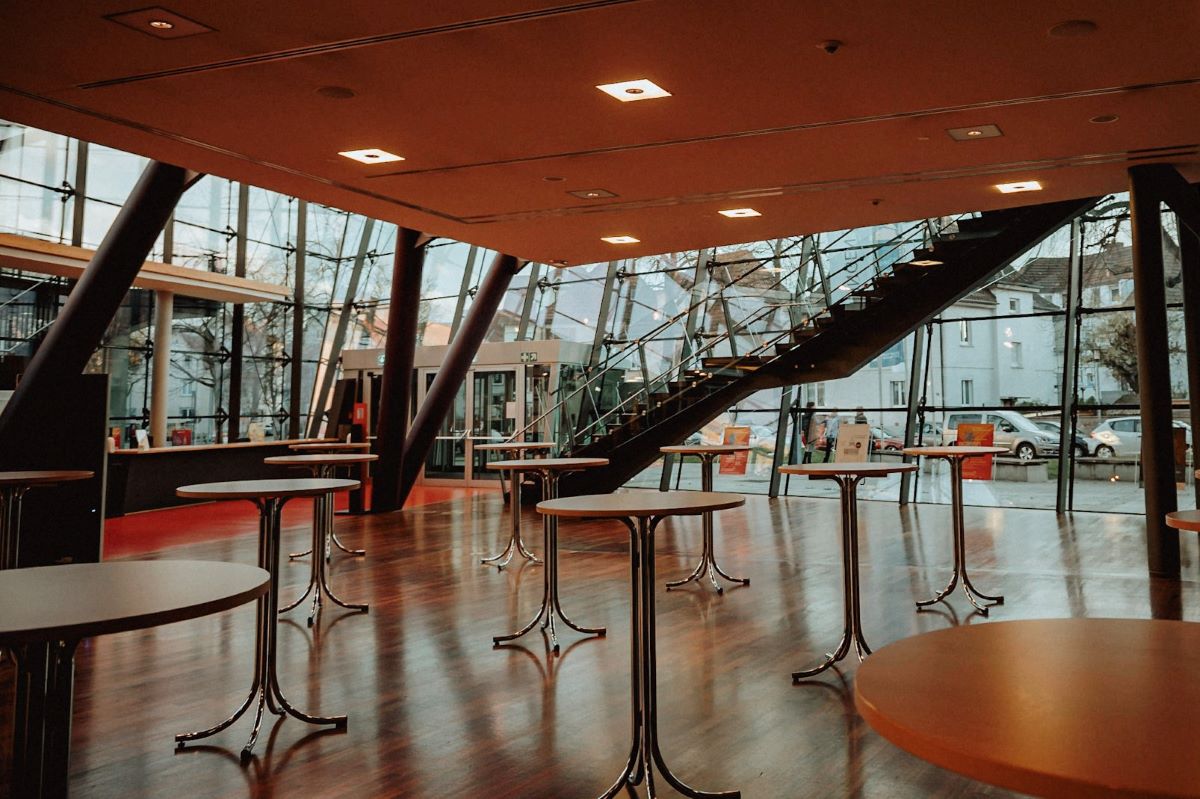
(551, 606)
(852, 632)
(41, 745)
(708, 559)
(10, 524)
(973, 594)
(515, 544)
(265, 685)
(327, 470)
(318, 580)
(644, 753)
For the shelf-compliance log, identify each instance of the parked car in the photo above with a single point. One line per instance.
(1082, 447)
(1012, 430)
(1122, 436)
(883, 439)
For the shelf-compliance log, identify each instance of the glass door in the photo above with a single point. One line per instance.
(495, 414)
(448, 457)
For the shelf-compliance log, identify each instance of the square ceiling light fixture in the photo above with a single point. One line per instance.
(630, 91)
(620, 239)
(371, 155)
(592, 194)
(1019, 186)
(739, 213)
(161, 23)
(974, 132)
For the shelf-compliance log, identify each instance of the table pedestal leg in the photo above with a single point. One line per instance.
(265, 685)
(551, 606)
(852, 632)
(515, 544)
(41, 749)
(973, 594)
(645, 756)
(708, 559)
(318, 581)
(328, 470)
(10, 525)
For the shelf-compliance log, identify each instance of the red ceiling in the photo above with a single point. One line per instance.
(487, 99)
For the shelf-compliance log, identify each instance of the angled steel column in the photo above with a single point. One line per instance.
(297, 364)
(464, 290)
(339, 332)
(916, 397)
(1070, 372)
(1189, 257)
(160, 369)
(697, 303)
(79, 206)
(80, 325)
(237, 322)
(535, 269)
(1154, 373)
(782, 438)
(453, 370)
(395, 393)
(602, 315)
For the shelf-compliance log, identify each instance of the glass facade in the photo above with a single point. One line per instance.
(997, 355)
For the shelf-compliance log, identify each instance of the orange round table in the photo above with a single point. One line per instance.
(1184, 520)
(1051, 707)
(955, 456)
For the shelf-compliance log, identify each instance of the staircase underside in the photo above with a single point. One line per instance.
(854, 333)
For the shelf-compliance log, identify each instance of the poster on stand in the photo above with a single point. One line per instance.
(854, 443)
(977, 435)
(735, 462)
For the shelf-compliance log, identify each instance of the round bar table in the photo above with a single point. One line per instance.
(1188, 520)
(955, 457)
(549, 470)
(322, 465)
(331, 446)
(1050, 707)
(515, 544)
(708, 454)
(847, 476)
(641, 512)
(48, 610)
(13, 486)
(270, 497)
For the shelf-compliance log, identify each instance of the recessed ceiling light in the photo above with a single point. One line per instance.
(161, 24)
(371, 155)
(553, 179)
(1073, 27)
(592, 194)
(620, 239)
(631, 90)
(1104, 119)
(974, 132)
(926, 262)
(1019, 186)
(738, 213)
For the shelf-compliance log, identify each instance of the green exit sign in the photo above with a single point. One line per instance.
(529, 357)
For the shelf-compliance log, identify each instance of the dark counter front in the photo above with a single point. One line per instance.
(146, 479)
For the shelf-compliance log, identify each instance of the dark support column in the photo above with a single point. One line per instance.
(395, 392)
(781, 438)
(916, 394)
(237, 323)
(91, 305)
(1189, 257)
(1154, 374)
(297, 364)
(1070, 372)
(453, 370)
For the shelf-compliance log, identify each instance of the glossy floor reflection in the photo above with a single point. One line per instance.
(435, 711)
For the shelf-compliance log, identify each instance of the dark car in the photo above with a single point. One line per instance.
(1081, 443)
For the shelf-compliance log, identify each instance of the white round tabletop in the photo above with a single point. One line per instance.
(259, 489)
(43, 477)
(331, 446)
(85, 599)
(549, 464)
(832, 469)
(514, 446)
(705, 449)
(954, 452)
(321, 459)
(641, 503)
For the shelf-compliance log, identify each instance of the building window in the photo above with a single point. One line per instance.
(1014, 304)
(968, 392)
(1017, 361)
(897, 392)
(820, 400)
(964, 332)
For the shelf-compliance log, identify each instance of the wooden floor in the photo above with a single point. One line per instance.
(435, 711)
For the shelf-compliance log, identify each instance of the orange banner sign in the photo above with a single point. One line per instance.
(977, 435)
(735, 462)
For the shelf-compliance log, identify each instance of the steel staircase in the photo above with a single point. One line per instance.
(869, 311)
